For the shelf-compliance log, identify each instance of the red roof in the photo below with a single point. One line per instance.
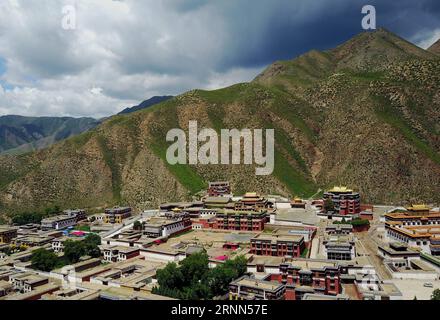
(221, 258)
(78, 233)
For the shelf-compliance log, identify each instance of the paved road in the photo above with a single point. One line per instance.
(370, 243)
(316, 242)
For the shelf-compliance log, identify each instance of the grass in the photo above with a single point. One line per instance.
(7, 177)
(82, 228)
(25, 163)
(185, 174)
(81, 139)
(110, 162)
(291, 109)
(297, 182)
(291, 178)
(366, 76)
(393, 117)
(225, 95)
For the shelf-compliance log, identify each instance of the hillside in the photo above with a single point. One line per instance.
(435, 48)
(23, 134)
(366, 115)
(146, 104)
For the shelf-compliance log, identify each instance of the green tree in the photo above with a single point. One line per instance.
(435, 294)
(221, 276)
(52, 210)
(170, 281)
(92, 250)
(73, 251)
(239, 264)
(26, 218)
(93, 239)
(195, 267)
(329, 205)
(137, 226)
(44, 260)
(193, 280)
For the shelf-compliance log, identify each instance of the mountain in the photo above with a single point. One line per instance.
(146, 104)
(435, 48)
(23, 134)
(365, 114)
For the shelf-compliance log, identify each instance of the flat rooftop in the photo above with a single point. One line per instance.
(158, 221)
(279, 237)
(295, 215)
(5, 228)
(122, 249)
(260, 284)
(56, 218)
(306, 264)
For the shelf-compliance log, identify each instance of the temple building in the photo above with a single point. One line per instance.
(219, 189)
(345, 201)
(247, 288)
(172, 223)
(7, 234)
(116, 215)
(298, 203)
(240, 221)
(284, 245)
(309, 277)
(251, 201)
(417, 226)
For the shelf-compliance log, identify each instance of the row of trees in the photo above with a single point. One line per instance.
(35, 216)
(194, 280)
(46, 260)
(358, 222)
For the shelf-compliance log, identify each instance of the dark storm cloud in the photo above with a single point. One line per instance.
(285, 29)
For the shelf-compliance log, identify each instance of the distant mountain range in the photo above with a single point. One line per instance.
(365, 114)
(23, 134)
(19, 134)
(146, 104)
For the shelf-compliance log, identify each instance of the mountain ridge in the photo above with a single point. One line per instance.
(146, 104)
(20, 134)
(337, 120)
(435, 48)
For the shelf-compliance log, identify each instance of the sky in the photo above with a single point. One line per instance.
(119, 53)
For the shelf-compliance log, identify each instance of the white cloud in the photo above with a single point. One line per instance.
(120, 53)
(428, 39)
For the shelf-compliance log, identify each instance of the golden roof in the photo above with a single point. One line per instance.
(418, 207)
(251, 194)
(340, 189)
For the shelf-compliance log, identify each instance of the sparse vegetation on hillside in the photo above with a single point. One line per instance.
(365, 114)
